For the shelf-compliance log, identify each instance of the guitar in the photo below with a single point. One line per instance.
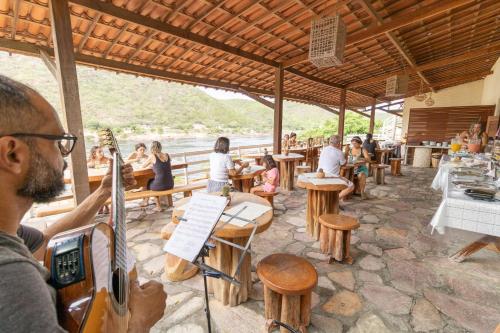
(88, 265)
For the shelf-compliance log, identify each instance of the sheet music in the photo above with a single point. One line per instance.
(251, 212)
(189, 236)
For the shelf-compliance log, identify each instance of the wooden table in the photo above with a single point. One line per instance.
(142, 176)
(382, 154)
(244, 182)
(287, 169)
(225, 258)
(321, 199)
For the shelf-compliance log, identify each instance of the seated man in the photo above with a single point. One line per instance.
(32, 147)
(331, 159)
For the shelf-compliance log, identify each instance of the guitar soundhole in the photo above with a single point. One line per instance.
(120, 286)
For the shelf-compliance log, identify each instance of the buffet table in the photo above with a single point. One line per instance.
(459, 211)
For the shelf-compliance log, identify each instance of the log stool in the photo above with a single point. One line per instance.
(396, 166)
(300, 169)
(176, 269)
(288, 282)
(371, 166)
(269, 196)
(379, 174)
(335, 236)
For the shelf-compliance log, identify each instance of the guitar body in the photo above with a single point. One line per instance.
(91, 297)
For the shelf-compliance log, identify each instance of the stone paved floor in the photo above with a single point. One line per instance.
(401, 280)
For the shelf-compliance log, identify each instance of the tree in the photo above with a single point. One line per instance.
(354, 124)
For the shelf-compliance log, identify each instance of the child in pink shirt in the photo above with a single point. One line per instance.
(270, 177)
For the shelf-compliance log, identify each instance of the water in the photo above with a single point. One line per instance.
(184, 144)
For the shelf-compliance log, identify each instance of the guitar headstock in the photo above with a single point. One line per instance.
(107, 139)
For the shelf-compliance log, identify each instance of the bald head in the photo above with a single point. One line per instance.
(335, 140)
(21, 108)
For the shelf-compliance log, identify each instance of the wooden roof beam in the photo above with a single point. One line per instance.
(395, 22)
(89, 32)
(109, 9)
(394, 40)
(493, 48)
(15, 16)
(116, 39)
(327, 108)
(257, 98)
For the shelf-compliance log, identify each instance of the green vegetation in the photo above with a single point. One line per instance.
(354, 124)
(133, 105)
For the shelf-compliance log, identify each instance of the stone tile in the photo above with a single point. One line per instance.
(315, 300)
(326, 324)
(343, 278)
(236, 319)
(370, 218)
(295, 248)
(146, 250)
(176, 299)
(354, 240)
(193, 305)
(344, 303)
(257, 292)
(369, 277)
(400, 254)
(387, 299)
(475, 317)
(131, 233)
(303, 237)
(186, 328)
(425, 317)
(196, 282)
(324, 282)
(370, 323)
(370, 248)
(147, 236)
(155, 265)
(318, 256)
(303, 229)
(371, 263)
(392, 236)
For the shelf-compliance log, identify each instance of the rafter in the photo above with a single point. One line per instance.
(116, 39)
(257, 98)
(15, 16)
(145, 42)
(396, 22)
(394, 40)
(90, 28)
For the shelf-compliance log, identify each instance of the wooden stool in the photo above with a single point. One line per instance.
(269, 196)
(335, 236)
(396, 166)
(300, 169)
(288, 282)
(176, 269)
(371, 166)
(379, 174)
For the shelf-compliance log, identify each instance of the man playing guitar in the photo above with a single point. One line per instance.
(32, 147)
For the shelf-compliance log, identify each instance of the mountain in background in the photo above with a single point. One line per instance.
(139, 105)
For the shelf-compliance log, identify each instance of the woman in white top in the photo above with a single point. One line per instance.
(221, 166)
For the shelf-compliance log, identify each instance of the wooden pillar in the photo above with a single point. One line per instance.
(372, 116)
(68, 89)
(342, 107)
(278, 110)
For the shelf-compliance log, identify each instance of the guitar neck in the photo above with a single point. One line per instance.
(118, 210)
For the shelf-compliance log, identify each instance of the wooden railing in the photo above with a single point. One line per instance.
(198, 161)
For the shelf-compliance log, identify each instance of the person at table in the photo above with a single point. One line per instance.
(286, 141)
(331, 160)
(475, 132)
(33, 145)
(358, 156)
(222, 165)
(97, 159)
(293, 140)
(162, 168)
(139, 155)
(371, 146)
(270, 177)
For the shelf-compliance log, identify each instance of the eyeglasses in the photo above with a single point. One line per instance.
(66, 142)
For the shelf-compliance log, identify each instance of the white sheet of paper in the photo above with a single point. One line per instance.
(201, 217)
(251, 212)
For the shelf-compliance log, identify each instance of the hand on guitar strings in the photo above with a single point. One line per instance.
(147, 305)
(127, 176)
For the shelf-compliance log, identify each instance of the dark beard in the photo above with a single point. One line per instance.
(43, 182)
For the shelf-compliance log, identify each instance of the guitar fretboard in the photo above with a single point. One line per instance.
(119, 217)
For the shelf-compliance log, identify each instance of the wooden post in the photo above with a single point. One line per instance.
(278, 110)
(372, 116)
(342, 107)
(68, 88)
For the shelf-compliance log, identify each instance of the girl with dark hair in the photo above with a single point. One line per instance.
(358, 156)
(96, 158)
(139, 155)
(270, 177)
(221, 166)
(162, 168)
(370, 146)
(293, 140)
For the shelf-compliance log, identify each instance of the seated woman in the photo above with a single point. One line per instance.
(358, 156)
(371, 146)
(139, 155)
(96, 158)
(160, 163)
(270, 177)
(292, 142)
(221, 166)
(286, 141)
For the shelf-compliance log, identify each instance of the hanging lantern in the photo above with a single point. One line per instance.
(420, 97)
(429, 101)
(396, 85)
(327, 41)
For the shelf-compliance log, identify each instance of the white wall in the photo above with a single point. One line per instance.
(491, 89)
(470, 93)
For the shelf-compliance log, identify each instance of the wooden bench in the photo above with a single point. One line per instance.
(288, 282)
(335, 236)
(187, 190)
(396, 166)
(269, 196)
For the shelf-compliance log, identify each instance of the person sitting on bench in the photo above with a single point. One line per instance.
(270, 177)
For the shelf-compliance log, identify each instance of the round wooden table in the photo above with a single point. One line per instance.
(382, 154)
(243, 182)
(225, 258)
(321, 199)
(287, 169)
